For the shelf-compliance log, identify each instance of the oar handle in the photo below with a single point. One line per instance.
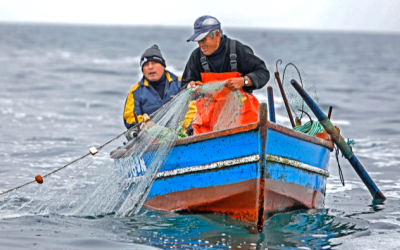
(278, 79)
(340, 142)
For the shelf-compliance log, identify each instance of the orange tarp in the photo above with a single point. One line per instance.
(209, 108)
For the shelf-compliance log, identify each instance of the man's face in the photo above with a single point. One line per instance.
(153, 71)
(208, 45)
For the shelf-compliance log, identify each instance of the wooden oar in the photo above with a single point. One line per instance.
(340, 142)
(278, 79)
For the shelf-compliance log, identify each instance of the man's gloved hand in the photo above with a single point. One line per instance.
(146, 118)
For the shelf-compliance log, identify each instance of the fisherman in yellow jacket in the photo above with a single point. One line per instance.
(157, 87)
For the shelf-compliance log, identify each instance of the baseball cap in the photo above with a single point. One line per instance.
(202, 26)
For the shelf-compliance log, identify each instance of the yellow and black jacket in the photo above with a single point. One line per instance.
(144, 99)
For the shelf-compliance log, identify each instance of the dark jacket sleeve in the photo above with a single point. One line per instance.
(248, 65)
(252, 66)
(191, 72)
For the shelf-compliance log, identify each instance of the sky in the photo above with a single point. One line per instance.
(332, 15)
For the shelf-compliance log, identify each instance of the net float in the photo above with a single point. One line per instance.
(39, 179)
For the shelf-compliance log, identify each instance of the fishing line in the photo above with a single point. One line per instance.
(339, 168)
(99, 148)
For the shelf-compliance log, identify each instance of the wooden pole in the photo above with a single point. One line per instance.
(340, 142)
(278, 79)
(263, 120)
(271, 105)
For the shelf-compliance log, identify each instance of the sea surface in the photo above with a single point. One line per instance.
(63, 89)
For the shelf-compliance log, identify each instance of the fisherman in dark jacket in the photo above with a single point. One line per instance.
(215, 49)
(157, 87)
(220, 58)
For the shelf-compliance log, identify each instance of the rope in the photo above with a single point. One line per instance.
(311, 128)
(350, 142)
(339, 168)
(99, 148)
(64, 166)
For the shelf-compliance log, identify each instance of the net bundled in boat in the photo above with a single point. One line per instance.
(296, 103)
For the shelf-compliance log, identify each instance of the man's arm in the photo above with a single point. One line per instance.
(191, 73)
(132, 105)
(252, 67)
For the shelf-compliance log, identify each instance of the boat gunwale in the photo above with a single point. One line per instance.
(254, 126)
(245, 128)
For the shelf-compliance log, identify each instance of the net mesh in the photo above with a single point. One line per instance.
(226, 112)
(296, 102)
(100, 185)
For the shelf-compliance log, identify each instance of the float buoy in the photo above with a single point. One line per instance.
(39, 179)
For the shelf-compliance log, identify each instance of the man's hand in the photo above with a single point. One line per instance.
(196, 90)
(196, 86)
(237, 83)
(234, 83)
(191, 84)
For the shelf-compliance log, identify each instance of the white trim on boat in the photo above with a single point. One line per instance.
(214, 165)
(297, 164)
(242, 160)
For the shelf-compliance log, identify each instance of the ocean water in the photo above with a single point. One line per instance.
(63, 89)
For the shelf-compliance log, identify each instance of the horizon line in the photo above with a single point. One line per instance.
(371, 32)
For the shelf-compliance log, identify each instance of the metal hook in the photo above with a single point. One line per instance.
(279, 60)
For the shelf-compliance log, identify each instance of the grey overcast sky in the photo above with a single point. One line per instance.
(349, 15)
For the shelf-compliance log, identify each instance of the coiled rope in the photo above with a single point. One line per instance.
(311, 128)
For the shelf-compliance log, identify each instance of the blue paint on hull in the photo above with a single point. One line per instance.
(281, 144)
(280, 172)
(240, 145)
(218, 177)
(209, 151)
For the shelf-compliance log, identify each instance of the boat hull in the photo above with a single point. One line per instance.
(229, 173)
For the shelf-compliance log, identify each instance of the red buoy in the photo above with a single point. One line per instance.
(39, 179)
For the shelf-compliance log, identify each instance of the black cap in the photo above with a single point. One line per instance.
(152, 54)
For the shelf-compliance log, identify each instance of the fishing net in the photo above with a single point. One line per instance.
(296, 103)
(222, 104)
(102, 185)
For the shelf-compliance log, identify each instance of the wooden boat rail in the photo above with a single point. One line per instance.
(248, 127)
(253, 126)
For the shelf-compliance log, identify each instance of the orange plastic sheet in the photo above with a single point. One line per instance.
(207, 116)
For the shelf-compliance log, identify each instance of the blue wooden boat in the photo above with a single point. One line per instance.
(248, 172)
